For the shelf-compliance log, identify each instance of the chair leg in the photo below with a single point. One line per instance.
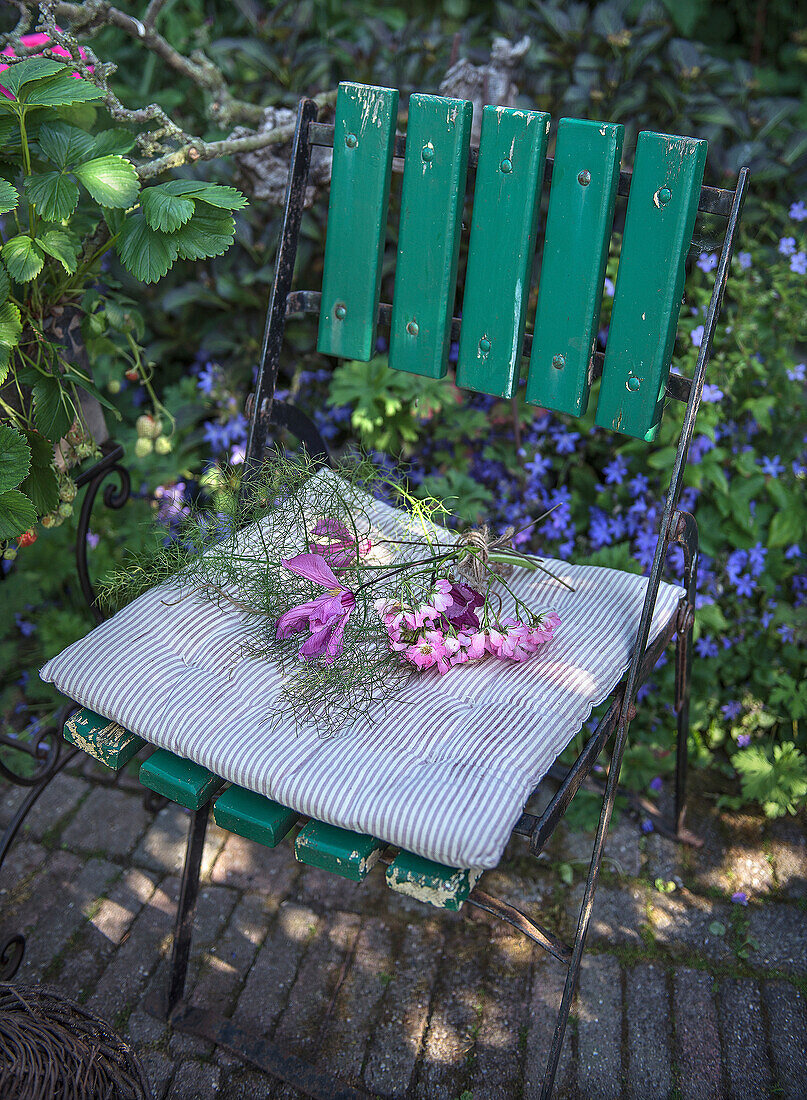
(188, 893)
(683, 676)
(573, 972)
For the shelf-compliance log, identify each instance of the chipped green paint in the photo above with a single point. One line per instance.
(180, 780)
(364, 138)
(662, 205)
(432, 199)
(512, 151)
(430, 882)
(108, 742)
(585, 176)
(253, 816)
(349, 854)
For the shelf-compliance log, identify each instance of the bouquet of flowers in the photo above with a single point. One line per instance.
(351, 606)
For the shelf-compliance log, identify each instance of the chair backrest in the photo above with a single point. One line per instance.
(664, 193)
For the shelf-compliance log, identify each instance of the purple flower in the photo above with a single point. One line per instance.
(744, 740)
(565, 441)
(338, 547)
(461, 612)
(92, 539)
(731, 710)
(707, 261)
(706, 646)
(786, 633)
(756, 559)
(25, 628)
(798, 211)
(745, 261)
(696, 336)
(798, 373)
(744, 585)
(787, 246)
(771, 466)
(656, 784)
(739, 897)
(647, 825)
(209, 377)
(615, 471)
(792, 552)
(798, 263)
(325, 617)
(711, 394)
(609, 287)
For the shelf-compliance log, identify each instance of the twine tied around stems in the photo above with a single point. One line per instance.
(476, 565)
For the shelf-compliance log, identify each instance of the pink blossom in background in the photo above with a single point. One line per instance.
(39, 39)
(340, 547)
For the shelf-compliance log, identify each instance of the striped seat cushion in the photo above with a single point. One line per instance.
(443, 771)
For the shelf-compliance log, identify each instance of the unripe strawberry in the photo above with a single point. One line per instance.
(65, 509)
(148, 427)
(10, 553)
(143, 447)
(114, 385)
(49, 520)
(67, 491)
(163, 445)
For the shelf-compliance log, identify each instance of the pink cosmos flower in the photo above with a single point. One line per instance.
(339, 546)
(428, 650)
(325, 617)
(39, 39)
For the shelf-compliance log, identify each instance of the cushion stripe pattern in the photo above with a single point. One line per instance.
(443, 770)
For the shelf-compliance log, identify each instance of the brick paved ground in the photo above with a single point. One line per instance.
(410, 1002)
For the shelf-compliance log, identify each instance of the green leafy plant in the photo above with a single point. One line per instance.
(776, 777)
(72, 198)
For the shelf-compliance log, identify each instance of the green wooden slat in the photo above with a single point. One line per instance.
(585, 176)
(108, 742)
(253, 816)
(434, 883)
(363, 141)
(180, 780)
(662, 206)
(349, 854)
(432, 198)
(507, 194)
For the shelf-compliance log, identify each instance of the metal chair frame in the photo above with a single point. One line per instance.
(677, 527)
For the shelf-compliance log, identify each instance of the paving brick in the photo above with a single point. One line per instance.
(733, 856)
(348, 1027)
(68, 911)
(599, 1028)
(10, 798)
(59, 798)
(247, 1084)
(33, 898)
(104, 932)
(195, 1081)
(245, 865)
(497, 1069)
(680, 922)
(268, 983)
(322, 970)
(697, 1039)
(456, 1013)
(618, 915)
(744, 1051)
(549, 977)
(24, 858)
(786, 1009)
(647, 1011)
(123, 980)
(109, 820)
(404, 1012)
(663, 858)
(159, 1070)
(789, 850)
(162, 848)
(622, 847)
(325, 891)
(227, 961)
(780, 930)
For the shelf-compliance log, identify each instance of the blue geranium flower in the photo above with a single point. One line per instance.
(615, 471)
(798, 263)
(787, 246)
(773, 466)
(707, 261)
(696, 336)
(798, 211)
(745, 261)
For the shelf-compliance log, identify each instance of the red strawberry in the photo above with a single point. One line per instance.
(27, 539)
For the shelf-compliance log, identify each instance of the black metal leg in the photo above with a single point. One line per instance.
(586, 907)
(189, 890)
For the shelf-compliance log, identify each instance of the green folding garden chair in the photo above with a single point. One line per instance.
(436, 792)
